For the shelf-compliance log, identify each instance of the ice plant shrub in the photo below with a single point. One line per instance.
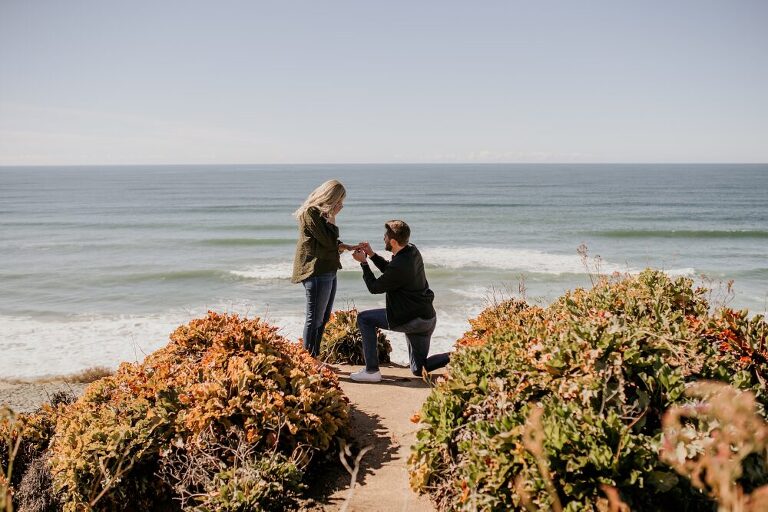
(251, 480)
(9, 445)
(743, 343)
(223, 386)
(600, 366)
(24, 441)
(498, 315)
(709, 440)
(343, 343)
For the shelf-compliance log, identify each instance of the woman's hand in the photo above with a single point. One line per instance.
(347, 247)
(366, 247)
(331, 216)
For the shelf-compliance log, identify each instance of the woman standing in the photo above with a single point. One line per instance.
(317, 257)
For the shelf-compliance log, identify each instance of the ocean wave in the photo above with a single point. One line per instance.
(35, 348)
(251, 227)
(681, 272)
(756, 273)
(284, 269)
(235, 208)
(96, 225)
(473, 292)
(520, 260)
(173, 275)
(268, 271)
(683, 233)
(240, 242)
(442, 259)
(65, 346)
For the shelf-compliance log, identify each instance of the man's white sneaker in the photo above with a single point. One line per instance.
(364, 376)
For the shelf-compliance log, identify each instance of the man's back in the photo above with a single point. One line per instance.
(404, 281)
(409, 303)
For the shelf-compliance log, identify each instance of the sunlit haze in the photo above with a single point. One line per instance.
(139, 82)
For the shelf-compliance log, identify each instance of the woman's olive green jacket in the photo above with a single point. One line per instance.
(317, 250)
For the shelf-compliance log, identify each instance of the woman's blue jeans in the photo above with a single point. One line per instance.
(320, 291)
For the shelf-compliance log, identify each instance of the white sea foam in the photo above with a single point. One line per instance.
(681, 272)
(488, 258)
(473, 292)
(268, 271)
(283, 270)
(522, 260)
(34, 348)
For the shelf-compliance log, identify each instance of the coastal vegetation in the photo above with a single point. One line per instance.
(636, 394)
(343, 343)
(227, 416)
(596, 403)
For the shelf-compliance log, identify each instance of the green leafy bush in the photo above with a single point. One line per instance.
(226, 391)
(599, 367)
(251, 480)
(342, 342)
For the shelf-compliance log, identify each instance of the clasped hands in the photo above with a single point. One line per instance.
(361, 252)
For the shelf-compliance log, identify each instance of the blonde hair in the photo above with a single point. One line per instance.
(324, 198)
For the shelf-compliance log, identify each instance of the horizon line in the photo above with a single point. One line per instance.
(2, 165)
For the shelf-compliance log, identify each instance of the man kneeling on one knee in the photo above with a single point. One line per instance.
(409, 303)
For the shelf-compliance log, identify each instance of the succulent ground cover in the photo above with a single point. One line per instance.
(226, 417)
(342, 342)
(561, 407)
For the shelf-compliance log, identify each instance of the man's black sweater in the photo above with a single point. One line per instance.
(405, 283)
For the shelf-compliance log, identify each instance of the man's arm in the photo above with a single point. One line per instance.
(392, 279)
(380, 262)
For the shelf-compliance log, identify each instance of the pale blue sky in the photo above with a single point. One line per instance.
(135, 82)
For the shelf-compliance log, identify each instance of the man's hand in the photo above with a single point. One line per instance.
(360, 256)
(366, 247)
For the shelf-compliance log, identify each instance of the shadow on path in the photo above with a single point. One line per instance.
(329, 476)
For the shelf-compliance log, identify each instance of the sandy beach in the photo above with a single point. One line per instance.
(28, 396)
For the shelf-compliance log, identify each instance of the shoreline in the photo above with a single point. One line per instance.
(27, 397)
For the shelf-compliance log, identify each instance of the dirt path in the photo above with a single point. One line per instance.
(381, 415)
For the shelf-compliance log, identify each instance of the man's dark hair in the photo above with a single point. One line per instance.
(398, 230)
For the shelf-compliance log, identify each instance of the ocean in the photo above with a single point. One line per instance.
(99, 264)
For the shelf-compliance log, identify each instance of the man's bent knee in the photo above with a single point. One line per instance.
(363, 317)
